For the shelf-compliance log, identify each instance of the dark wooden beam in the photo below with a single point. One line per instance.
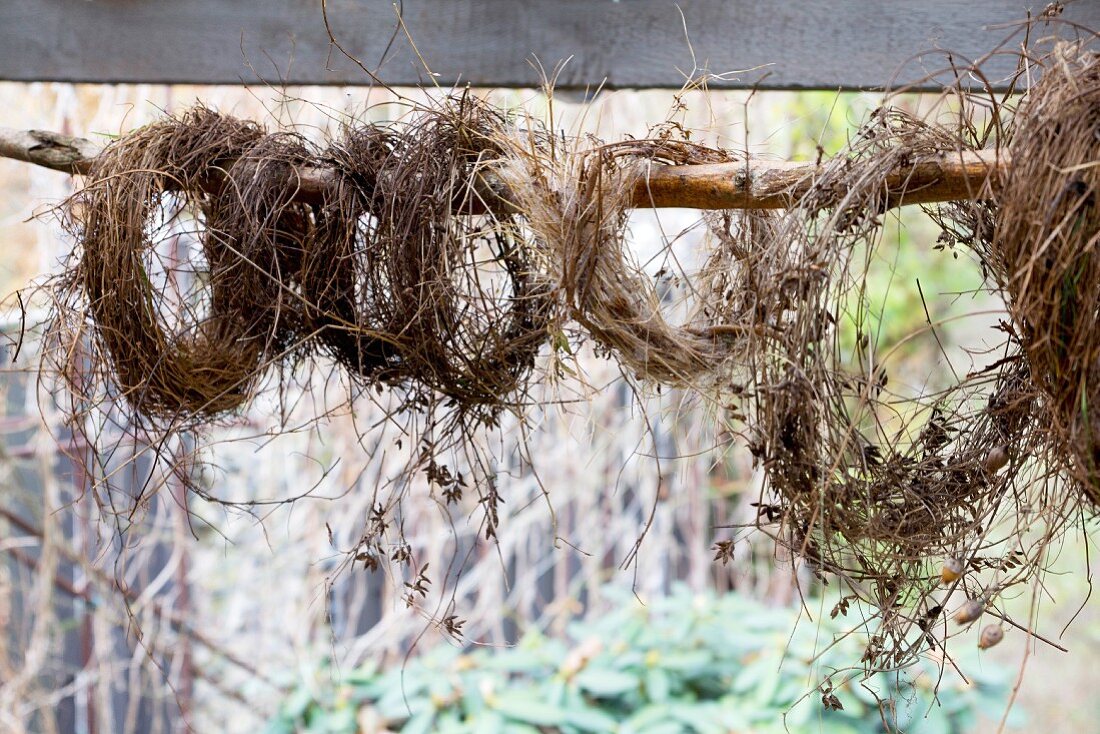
(630, 43)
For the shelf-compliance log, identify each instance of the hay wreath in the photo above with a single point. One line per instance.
(401, 287)
(206, 365)
(445, 255)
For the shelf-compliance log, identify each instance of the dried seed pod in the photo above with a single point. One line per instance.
(991, 635)
(995, 460)
(952, 570)
(970, 611)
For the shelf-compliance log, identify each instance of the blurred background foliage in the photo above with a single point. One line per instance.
(684, 664)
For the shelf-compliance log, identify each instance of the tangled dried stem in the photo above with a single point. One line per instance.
(453, 249)
(412, 293)
(1044, 255)
(174, 355)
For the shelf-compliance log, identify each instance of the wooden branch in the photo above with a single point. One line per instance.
(48, 149)
(741, 185)
(762, 185)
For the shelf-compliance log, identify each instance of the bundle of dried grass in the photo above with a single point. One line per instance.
(859, 487)
(410, 290)
(879, 489)
(575, 201)
(818, 412)
(1044, 253)
(343, 257)
(174, 354)
(855, 492)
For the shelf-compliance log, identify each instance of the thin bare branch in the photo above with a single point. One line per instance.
(739, 185)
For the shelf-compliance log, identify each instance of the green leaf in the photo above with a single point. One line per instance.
(647, 716)
(670, 727)
(557, 691)
(342, 721)
(590, 719)
(845, 727)
(529, 710)
(365, 674)
(514, 728)
(422, 723)
(934, 723)
(297, 704)
(657, 685)
(448, 721)
(701, 718)
(280, 725)
(767, 683)
(686, 661)
(489, 722)
(395, 707)
(605, 682)
(803, 713)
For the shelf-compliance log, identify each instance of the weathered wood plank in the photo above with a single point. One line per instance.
(628, 43)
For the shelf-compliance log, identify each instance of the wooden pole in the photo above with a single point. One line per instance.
(738, 185)
(48, 149)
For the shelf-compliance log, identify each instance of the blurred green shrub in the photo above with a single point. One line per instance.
(685, 663)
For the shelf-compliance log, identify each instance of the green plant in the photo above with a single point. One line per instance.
(685, 663)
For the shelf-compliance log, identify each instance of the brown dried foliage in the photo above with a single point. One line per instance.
(876, 489)
(1044, 255)
(860, 494)
(452, 249)
(170, 356)
(410, 293)
(575, 202)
